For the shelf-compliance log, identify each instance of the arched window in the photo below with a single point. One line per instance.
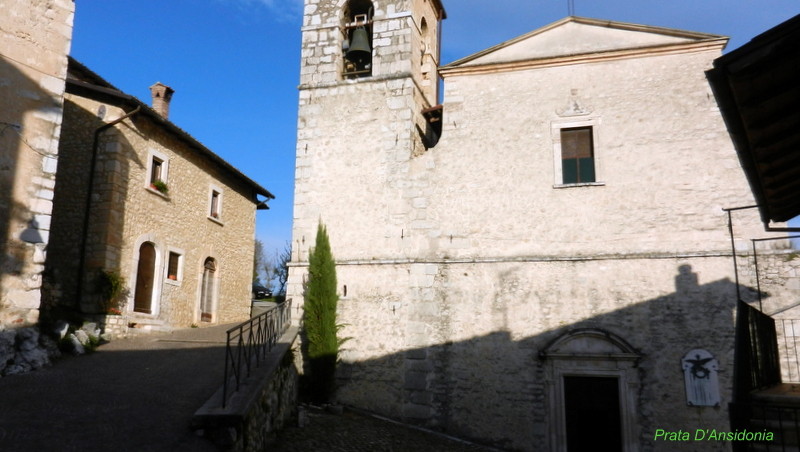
(207, 290)
(357, 45)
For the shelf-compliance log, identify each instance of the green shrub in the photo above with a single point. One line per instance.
(319, 318)
(161, 186)
(111, 286)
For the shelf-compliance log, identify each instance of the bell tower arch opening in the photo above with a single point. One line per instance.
(357, 44)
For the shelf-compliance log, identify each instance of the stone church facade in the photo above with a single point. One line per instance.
(543, 259)
(36, 36)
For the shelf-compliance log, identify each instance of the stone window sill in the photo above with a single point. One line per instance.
(156, 192)
(583, 184)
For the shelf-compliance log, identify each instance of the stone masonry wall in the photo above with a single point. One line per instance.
(35, 37)
(274, 409)
(126, 212)
(458, 265)
(456, 346)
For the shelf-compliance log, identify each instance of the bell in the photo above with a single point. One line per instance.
(359, 50)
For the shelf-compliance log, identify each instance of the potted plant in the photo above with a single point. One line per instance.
(160, 186)
(111, 286)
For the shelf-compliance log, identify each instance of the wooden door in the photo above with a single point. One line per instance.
(145, 275)
(592, 412)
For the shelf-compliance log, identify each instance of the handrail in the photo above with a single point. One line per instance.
(249, 343)
(756, 358)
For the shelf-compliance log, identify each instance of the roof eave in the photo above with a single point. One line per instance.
(106, 92)
(717, 43)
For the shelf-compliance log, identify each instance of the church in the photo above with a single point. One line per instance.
(537, 257)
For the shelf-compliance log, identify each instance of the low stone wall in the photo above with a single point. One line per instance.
(265, 403)
(112, 326)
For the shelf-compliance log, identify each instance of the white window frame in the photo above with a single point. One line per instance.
(181, 259)
(555, 133)
(220, 198)
(153, 154)
(155, 301)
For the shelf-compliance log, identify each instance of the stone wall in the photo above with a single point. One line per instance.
(266, 402)
(275, 408)
(126, 212)
(459, 265)
(35, 37)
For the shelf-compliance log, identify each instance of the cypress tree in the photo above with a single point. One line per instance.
(319, 317)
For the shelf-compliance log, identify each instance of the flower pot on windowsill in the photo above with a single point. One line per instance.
(215, 215)
(173, 277)
(160, 186)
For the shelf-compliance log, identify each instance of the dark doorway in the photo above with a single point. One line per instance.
(145, 274)
(592, 414)
(207, 291)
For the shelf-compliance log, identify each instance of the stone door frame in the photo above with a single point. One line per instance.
(591, 352)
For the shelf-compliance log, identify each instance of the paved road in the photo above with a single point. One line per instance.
(139, 395)
(357, 432)
(131, 395)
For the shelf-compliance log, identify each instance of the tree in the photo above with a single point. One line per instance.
(319, 317)
(258, 260)
(281, 267)
(275, 269)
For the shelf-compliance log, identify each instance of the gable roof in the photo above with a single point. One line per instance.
(577, 39)
(84, 82)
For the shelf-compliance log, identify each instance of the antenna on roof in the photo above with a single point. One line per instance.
(571, 7)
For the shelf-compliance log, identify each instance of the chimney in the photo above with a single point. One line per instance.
(162, 95)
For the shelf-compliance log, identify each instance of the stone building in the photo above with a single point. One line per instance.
(139, 198)
(541, 260)
(35, 38)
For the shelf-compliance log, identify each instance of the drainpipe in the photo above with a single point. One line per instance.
(88, 206)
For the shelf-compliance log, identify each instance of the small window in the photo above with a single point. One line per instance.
(157, 172)
(577, 155)
(174, 266)
(215, 204)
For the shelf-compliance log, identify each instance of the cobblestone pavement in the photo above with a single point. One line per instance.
(355, 432)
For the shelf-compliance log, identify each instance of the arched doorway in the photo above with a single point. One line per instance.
(207, 290)
(145, 276)
(592, 391)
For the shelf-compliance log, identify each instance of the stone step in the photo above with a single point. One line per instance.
(141, 324)
(785, 394)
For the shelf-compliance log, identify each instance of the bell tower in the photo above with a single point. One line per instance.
(368, 90)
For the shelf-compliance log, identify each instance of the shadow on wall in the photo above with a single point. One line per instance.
(20, 163)
(509, 392)
(101, 231)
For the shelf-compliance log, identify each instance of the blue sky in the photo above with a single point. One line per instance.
(234, 64)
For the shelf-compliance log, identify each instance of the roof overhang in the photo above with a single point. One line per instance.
(84, 82)
(757, 87)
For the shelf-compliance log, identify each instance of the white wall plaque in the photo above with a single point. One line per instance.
(700, 370)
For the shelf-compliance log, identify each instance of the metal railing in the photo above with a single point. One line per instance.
(788, 331)
(768, 426)
(249, 343)
(757, 364)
